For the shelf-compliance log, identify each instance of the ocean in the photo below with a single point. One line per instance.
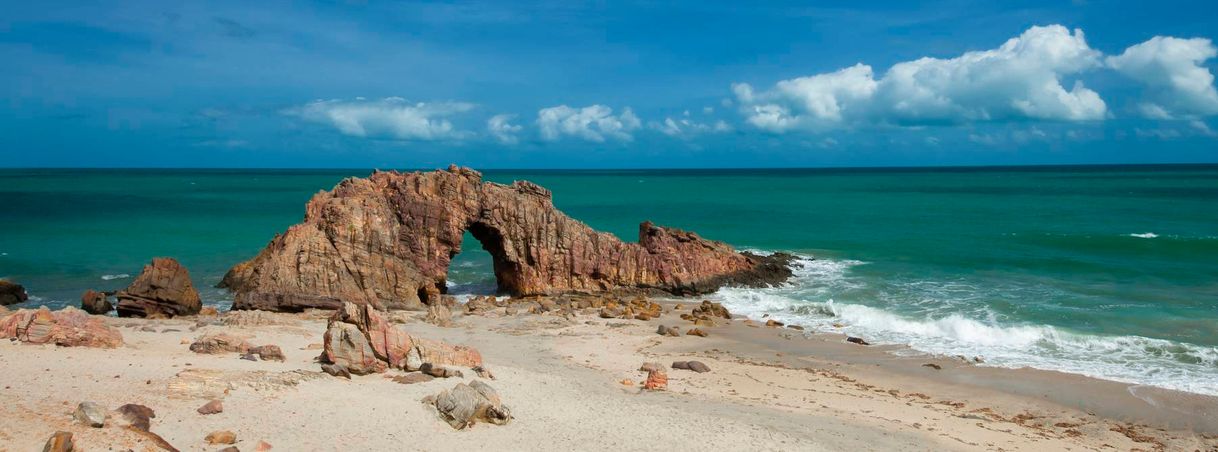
(1106, 271)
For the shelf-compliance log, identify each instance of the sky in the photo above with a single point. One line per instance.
(566, 84)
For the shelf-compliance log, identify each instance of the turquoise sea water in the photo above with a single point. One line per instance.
(1105, 271)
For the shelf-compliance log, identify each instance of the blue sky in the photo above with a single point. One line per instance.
(608, 84)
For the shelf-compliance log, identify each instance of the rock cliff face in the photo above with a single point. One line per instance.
(387, 241)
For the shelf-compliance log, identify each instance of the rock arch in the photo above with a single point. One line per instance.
(387, 240)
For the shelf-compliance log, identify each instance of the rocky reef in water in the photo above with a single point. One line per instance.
(387, 241)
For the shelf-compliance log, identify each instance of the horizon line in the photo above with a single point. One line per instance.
(723, 168)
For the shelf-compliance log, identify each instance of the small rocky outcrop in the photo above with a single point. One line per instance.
(711, 309)
(216, 343)
(136, 416)
(465, 405)
(12, 293)
(163, 289)
(95, 302)
(387, 241)
(68, 327)
(360, 339)
(657, 380)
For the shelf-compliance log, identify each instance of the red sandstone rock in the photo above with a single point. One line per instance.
(163, 289)
(387, 241)
(95, 302)
(68, 327)
(59, 442)
(360, 339)
(657, 380)
(212, 407)
(216, 343)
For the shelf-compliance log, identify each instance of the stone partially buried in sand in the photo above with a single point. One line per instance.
(90, 414)
(465, 405)
(163, 289)
(95, 302)
(68, 327)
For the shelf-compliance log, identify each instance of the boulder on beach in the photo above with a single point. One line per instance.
(360, 339)
(215, 343)
(12, 293)
(90, 414)
(696, 366)
(68, 327)
(711, 309)
(163, 289)
(465, 405)
(388, 240)
(95, 302)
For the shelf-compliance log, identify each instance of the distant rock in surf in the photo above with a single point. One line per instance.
(163, 289)
(387, 241)
(12, 293)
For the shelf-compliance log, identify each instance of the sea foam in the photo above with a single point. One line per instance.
(808, 300)
(113, 277)
(1145, 235)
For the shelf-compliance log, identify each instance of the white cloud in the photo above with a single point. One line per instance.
(391, 117)
(687, 128)
(504, 131)
(1022, 79)
(1171, 68)
(593, 123)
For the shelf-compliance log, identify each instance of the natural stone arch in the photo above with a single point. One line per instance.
(387, 240)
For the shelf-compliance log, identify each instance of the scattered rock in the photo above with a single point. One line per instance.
(711, 309)
(268, 352)
(12, 293)
(657, 380)
(399, 231)
(857, 340)
(163, 289)
(262, 446)
(933, 366)
(337, 370)
(68, 327)
(359, 338)
(95, 302)
(221, 437)
(696, 332)
(212, 407)
(668, 331)
(210, 311)
(215, 343)
(773, 323)
(610, 312)
(440, 371)
(137, 416)
(59, 442)
(650, 366)
(412, 378)
(464, 405)
(90, 414)
(795, 327)
(483, 372)
(696, 366)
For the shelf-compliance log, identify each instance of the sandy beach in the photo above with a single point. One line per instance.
(572, 383)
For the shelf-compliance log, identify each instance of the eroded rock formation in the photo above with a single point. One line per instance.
(163, 289)
(68, 327)
(387, 240)
(12, 293)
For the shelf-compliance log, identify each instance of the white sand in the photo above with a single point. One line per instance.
(563, 381)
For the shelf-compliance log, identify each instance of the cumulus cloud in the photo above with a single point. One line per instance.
(1020, 80)
(684, 127)
(1178, 85)
(593, 123)
(503, 130)
(391, 117)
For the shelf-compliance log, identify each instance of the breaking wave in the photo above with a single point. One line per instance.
(113, 277)
(1145, 235)
(951, 327)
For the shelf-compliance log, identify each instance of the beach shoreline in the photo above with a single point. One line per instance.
(769, 388)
